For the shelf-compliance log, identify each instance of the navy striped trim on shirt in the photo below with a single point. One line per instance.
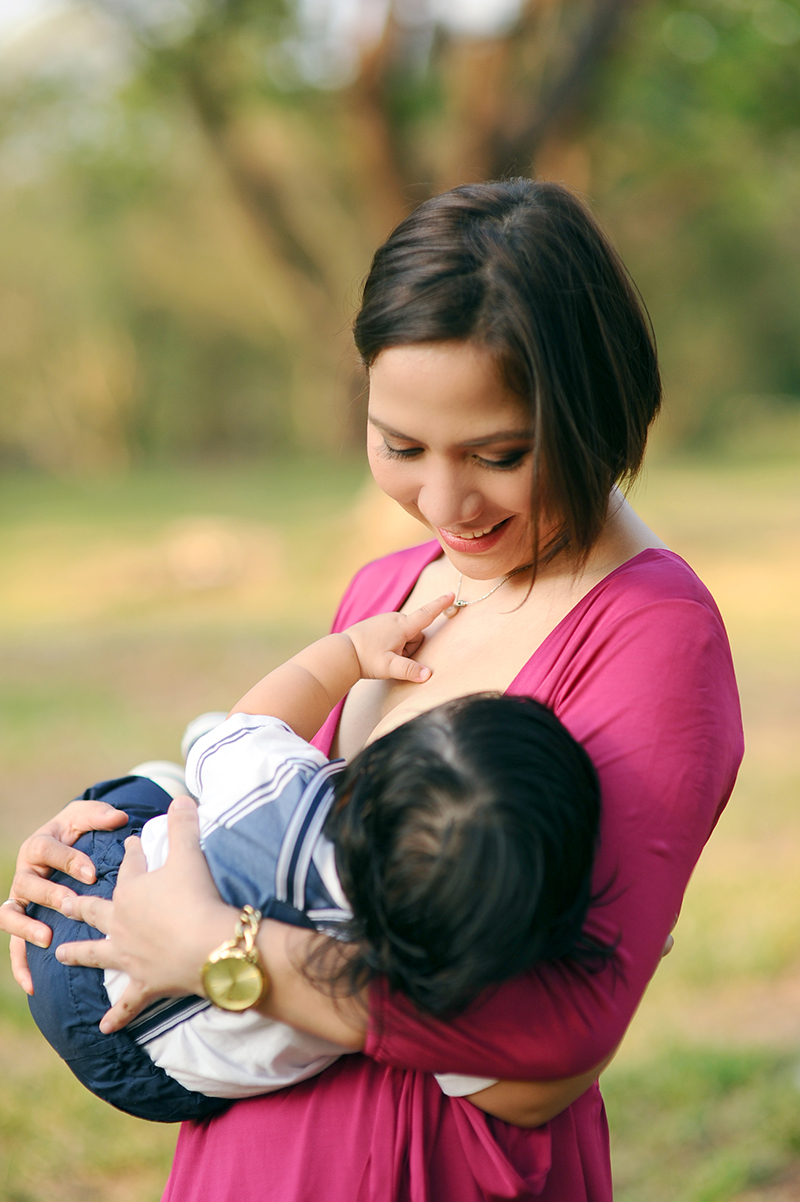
(291, 874)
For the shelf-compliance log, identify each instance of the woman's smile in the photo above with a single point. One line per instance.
(475, 542)
(451, 443)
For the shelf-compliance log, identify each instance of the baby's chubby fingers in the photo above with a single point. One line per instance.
(384, 644)
(422, 617)
(400, 668)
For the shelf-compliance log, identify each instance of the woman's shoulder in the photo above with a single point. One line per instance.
(656, 576)
(383, 584)
(651, 613)
(652, 610)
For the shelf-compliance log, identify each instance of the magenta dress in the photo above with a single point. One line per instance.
(640, 672)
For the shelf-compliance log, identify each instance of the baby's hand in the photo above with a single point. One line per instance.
(384, 643)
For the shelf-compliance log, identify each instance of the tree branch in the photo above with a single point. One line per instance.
(595, 42)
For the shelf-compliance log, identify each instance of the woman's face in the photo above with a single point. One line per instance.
(450, 443)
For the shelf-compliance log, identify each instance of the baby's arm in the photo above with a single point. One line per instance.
(304, 690)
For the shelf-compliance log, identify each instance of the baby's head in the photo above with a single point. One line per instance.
(464, 842)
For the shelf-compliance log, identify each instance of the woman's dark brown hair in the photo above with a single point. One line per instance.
(523, 269)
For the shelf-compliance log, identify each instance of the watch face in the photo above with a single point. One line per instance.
(232, 983)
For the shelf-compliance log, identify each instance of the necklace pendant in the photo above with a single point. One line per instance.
(453, 609)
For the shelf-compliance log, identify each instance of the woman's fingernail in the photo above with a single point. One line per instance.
(86, 874)
(40, 941)
(105, 1028)
(183, 803)
(67, 907)
(423, 673)
(59, 955)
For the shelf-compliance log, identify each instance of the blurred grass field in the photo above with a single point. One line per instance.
(128, 605)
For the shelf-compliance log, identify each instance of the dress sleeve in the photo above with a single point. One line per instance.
(652, 697)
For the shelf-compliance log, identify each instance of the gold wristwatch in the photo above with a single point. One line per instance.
(233, 978)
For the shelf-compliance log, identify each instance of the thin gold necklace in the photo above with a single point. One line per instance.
(458, 604)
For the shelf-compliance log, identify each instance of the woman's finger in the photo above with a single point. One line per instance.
(28, 888)
(132, 1002)
(81, 816)
(96, 911)
(183, 826)
(91, 953)
(44, 853)
(18, 954)
(13, 919)
(133, 863)
(50, 847)
(47, 850)
(17, 924)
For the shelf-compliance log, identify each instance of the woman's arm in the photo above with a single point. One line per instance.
(533, 1103)
(660, 719)
(651, 696)
(167, 958)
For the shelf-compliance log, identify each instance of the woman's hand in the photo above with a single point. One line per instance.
(47, 850)
(160, 925)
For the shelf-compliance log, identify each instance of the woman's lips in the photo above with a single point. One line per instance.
(472, 546)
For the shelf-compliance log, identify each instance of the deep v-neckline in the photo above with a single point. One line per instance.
(521, 682)
(573, 614)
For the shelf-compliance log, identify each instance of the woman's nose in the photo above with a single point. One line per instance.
(447, 499)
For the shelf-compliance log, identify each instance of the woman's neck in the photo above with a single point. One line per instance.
(623, 536)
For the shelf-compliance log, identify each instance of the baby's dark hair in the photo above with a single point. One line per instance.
(464, 841)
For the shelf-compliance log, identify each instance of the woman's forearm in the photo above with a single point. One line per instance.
(532, 1103)
(295, 997)
(163, 925)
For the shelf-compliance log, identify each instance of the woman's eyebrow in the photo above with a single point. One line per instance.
(500, 436)
(384, 429)
(523, 435)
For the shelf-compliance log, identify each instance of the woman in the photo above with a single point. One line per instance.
(512, 382)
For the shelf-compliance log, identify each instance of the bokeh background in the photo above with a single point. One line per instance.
(190, 192)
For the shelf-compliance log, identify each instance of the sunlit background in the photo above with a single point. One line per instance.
(190, 193)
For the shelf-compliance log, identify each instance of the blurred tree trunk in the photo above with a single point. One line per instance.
(322, 185)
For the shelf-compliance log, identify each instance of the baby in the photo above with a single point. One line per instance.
(453, 852)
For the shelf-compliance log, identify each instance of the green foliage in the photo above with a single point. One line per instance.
(697, 152)
(184, 220)
(697, 1124)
